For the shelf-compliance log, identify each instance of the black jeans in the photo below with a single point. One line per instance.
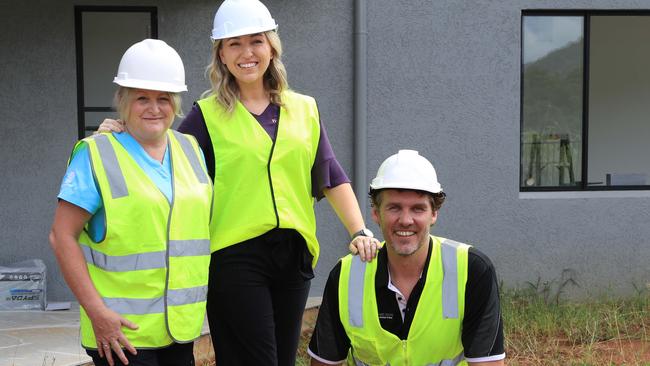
(175, 355)
(256, 298)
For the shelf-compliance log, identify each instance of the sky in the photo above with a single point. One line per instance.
(544, 34)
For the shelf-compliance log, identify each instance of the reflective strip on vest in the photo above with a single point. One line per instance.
(357, 362)
(124, 263)
(111, 166)
(356, 291)
(150, 260)
(448, 250)
(458, 359)
(189, 248)
(157, 305)
(189, 151)
(135, 306)
(187, 295)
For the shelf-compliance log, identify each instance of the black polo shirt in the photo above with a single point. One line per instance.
(482, 334)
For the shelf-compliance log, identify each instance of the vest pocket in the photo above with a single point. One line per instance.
(364, 351)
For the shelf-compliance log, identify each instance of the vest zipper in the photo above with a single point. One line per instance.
(169, 221)
(406, 356)
(268, 170)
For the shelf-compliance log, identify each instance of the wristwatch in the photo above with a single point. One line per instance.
(363, 232)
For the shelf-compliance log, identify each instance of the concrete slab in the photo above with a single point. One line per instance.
(41, 338)
(51, 338)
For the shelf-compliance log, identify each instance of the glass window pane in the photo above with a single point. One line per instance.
(551, 136)
(106, 35)
(619, 101)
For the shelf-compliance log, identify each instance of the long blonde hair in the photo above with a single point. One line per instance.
(224, 85)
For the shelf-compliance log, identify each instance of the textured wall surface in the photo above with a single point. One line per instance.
(37, 127)
(443, 78)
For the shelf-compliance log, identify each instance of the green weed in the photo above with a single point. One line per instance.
(541, 328)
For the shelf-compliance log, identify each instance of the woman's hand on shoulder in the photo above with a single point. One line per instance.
(107, 326)
(366, 247)
(111, 125)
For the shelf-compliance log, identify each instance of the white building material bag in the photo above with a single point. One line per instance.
(22, 285)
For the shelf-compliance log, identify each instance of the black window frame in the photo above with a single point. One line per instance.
(586, 15)
(78, 29)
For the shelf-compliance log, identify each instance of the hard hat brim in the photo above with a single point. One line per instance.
(150, 85)
(434, 188)
(243, 32)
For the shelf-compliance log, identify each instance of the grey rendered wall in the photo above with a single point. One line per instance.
(37, 126)
(444, 79)
(38, 94)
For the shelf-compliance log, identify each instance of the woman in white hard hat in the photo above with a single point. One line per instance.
(131, 229)
(269, 156)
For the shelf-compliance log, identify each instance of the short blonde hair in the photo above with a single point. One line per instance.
(224, 85)
(124, 95)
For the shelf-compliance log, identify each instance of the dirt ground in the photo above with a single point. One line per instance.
(612, 352)
(624, 352)
(560, 352)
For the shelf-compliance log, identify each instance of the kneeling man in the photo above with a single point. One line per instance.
(426, 300)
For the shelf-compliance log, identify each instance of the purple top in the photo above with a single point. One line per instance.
(325, 173)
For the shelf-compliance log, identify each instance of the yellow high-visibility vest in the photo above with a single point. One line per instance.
(435, 334)
(152, 265)
(260, 185)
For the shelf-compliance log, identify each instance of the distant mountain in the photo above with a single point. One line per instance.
(552, 101)
(561, 61)
(553, 92)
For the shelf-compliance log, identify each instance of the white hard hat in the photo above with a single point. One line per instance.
(407, 170)
(239, 17)
(151, 64)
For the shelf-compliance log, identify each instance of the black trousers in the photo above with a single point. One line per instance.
(175, 355)
(256, 298)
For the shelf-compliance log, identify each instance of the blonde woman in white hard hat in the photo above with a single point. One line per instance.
(270, 157)
(131, 229)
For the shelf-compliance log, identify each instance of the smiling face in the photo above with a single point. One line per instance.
(247, 58)
(150, 114)
(405, 217)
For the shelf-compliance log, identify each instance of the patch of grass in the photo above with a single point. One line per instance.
(308, 323)
(542, 329)
(596, 332)
(302, 359)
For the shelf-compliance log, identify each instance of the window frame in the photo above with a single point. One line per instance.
(586, 15)
(78, 29)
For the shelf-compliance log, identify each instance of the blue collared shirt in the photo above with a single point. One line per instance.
(80, 188)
